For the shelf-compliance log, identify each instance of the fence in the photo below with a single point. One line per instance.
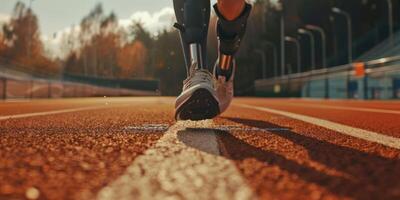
(17, 85)
(377, 79)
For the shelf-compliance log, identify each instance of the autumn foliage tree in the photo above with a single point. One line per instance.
(98, 41)
(132, 59)
(21, 46)
(2, 44)
(105, 49)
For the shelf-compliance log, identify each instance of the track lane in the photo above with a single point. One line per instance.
(348, 108)
(307, 161)
(383, 123)
(186, 163)
(34, 106)
(46, 105)
(277, 164)
(72, 155)
(371, 104)
(385, 140)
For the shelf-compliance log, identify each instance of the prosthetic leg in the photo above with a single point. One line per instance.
(198, 100)
(230, 34)
(193, 18)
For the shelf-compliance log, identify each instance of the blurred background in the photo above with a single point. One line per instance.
(293, 48)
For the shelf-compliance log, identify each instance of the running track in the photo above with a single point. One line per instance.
(132, 148)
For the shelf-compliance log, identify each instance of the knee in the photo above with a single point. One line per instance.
(231, 9)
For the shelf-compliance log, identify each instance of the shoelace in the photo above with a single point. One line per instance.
(198, 76)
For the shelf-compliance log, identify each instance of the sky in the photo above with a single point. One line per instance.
(58, 16)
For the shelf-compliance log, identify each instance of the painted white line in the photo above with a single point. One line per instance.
(16, 100)
(344, 129)
(164, 127)
(184, 164)
(18, 116)
(396, 112)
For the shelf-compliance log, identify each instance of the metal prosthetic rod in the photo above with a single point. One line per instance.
(225, 61)
(196, 54)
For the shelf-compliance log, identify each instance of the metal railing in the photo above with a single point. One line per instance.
(378, 79)
(15, 84)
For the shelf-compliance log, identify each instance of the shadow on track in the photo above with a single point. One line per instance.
(373, 176)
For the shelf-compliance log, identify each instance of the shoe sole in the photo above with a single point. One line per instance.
(200, 106)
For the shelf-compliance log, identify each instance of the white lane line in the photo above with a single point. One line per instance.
(344, 129)
(396, 112)
(164, 127)
(17, 100)
(18, 116)
(184, 164)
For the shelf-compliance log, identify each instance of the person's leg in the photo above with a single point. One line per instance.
(198, 99)
(230, 9)
(231, 26)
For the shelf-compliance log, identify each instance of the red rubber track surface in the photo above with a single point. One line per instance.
(74, 155)
(309, 162)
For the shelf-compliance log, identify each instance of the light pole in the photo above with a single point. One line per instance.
(323, 41)
(312, 43)
(350, 45)
(349, 28)
(297, 43)
(282, 45)
(334, 38)
(390, 13)
(275, 54)
(282, 41)
(263, 60)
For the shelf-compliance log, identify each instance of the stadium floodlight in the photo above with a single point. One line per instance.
(349, 28)
(323, 40)
(350, 42)
(312, 44)
(323, 44)
(336, 10)
(298, 50)
(302, 31)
